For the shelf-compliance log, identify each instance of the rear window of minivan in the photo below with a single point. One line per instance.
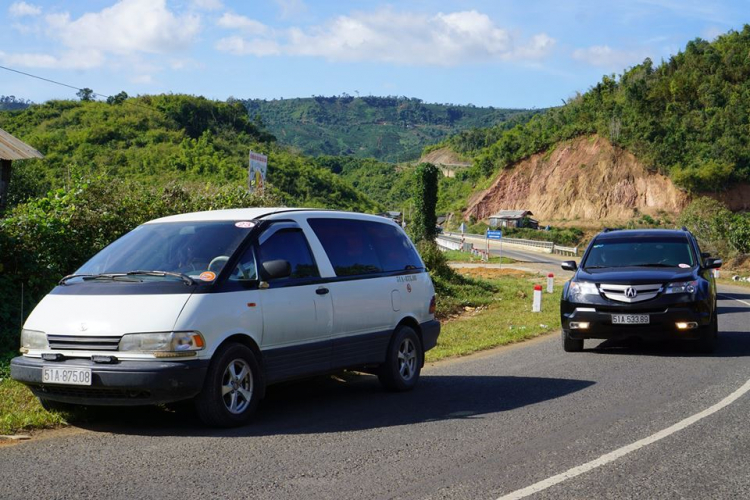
(357, 247)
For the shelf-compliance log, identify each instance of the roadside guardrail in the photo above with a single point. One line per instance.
(535, 245)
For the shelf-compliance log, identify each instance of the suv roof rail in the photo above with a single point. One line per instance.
(684, 228)
(610, 229)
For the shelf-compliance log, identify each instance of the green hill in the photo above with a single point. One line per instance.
(387, 128)
(163, 139)
(688, 117)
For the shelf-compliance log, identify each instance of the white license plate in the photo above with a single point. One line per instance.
(630, 319)
(66, 376)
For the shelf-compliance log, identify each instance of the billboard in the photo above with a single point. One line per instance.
(256, 173)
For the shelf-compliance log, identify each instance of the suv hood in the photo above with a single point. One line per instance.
(635, 275)
(92, 315)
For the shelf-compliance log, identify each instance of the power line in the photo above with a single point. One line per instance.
(72, 86)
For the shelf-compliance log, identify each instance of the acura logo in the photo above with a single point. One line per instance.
(84, 327)
(631, 292)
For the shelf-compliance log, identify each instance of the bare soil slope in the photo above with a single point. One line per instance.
(586, 178)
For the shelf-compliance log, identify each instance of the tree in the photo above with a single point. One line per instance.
(117, 99)
(85, 94)
(424, 223)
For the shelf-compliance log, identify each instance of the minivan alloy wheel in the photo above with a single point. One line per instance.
(237, 386)
(407, 359)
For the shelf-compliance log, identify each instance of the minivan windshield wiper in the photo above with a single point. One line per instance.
(184, 277)
(86, 277)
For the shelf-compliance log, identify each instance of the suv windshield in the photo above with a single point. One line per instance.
(168, 250)
(652, 252)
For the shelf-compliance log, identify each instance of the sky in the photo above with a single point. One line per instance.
(502, 53)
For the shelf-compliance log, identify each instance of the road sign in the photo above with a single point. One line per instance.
(256, 173)
(494, 235)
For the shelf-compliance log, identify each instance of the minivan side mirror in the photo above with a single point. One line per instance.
(713, 263)
(275, 269)
(569, 265)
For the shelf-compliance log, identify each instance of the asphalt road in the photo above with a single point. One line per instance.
(480, 427)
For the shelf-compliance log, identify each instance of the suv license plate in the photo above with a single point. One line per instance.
(66, 376)
(630, 319)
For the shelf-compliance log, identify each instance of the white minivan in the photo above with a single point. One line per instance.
(216, 306)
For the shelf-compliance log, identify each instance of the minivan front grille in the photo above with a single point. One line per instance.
(630, 293)
(78, 343)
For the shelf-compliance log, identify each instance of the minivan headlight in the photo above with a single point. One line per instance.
(163, 342)
(32, 339)
(682, 287)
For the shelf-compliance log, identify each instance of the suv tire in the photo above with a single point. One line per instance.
(571, 345)
(709, 335)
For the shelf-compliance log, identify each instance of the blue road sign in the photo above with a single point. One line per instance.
(494, 235)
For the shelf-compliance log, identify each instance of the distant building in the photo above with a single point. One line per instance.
(11, 148)
(514, 218)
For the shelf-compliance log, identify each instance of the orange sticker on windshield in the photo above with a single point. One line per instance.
(207, 276)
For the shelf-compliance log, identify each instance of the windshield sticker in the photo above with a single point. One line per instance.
(684, 266)
(245, 224)
(207, 276)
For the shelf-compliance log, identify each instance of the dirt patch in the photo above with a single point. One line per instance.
(490, 272)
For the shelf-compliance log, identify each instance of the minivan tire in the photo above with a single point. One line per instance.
(403, 361)
(232, 388)
(570, 344)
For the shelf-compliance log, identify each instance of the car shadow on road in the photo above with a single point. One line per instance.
(346, 403)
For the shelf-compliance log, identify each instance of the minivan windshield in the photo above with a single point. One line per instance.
(170, 250)
(645, 252)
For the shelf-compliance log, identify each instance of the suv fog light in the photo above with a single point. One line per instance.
(579, 325)
(687, 325)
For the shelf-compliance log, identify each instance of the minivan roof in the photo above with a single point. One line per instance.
(240, 214)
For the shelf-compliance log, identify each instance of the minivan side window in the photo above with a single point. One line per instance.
(290, 245)
(357, 247)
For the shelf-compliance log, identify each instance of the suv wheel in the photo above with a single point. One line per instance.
(403, 362)
(231, 391)
(709, 335)
(571, 345)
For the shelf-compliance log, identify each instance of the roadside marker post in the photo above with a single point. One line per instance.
(550, 282)
(537, 304)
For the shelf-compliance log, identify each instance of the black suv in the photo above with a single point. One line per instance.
(650, 284)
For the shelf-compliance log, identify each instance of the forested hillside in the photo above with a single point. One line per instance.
(11, 102)
(688, 118)
(157, 140)
(387, 128)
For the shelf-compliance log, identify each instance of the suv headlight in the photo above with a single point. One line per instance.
(163, 344)
(32, 339)
(682, 287)
(583, 288)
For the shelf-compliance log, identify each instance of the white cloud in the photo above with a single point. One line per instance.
(68, 60)
(291, 8)
(21, 9)
(393, 37)
(607, 57)
(207, 4)
(236, 22)
(128, 27)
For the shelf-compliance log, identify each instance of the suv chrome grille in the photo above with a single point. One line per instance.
(630, 293)
(77, 343)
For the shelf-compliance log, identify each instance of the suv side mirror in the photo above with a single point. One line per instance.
(569, 265)
(713, 263)
(275, 269)
(705, 255)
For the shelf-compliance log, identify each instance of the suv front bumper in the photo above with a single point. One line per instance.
(662, 323)
(126, 383)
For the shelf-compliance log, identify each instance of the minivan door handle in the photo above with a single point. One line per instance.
(322, 290)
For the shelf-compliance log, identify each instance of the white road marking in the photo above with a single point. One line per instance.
(621, 452)
(731, 298)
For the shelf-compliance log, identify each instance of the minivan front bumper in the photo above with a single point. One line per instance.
(126, 383)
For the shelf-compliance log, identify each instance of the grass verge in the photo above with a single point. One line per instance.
(506, 319)
(458, 256)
